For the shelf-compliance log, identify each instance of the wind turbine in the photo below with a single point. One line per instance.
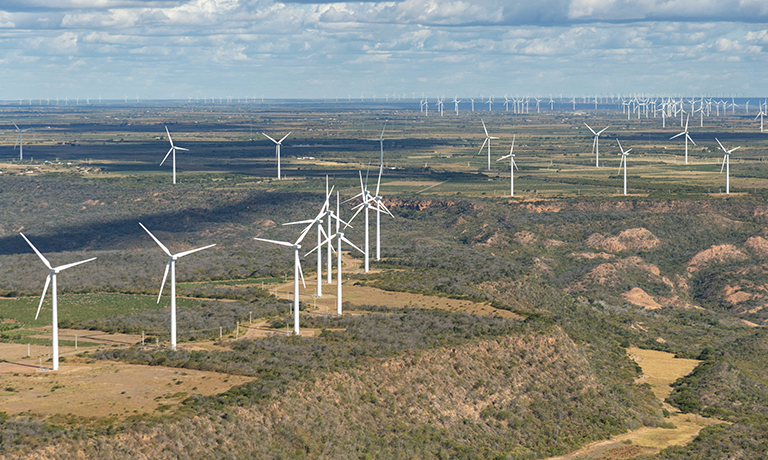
(375, 203)
(727, 166)
(596, 142)
(380, 139)
(487, 140)
(760, 115)
(20, 141)
(173, 150)
(277, 150)
(339, 236)
(624, 154)
(687, 138)
(171, 266)
(318, 220)
(296, 272)
(512, 167)
(365, 195)
(51, 279)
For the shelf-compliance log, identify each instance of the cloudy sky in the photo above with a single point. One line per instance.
(165, 49)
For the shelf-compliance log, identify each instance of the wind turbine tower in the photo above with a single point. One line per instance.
(727, 166)
(596, 143)
(512, 167)
(173, 150)
(170, 266)
(277, 151)
(487, 140)
(51, 279)
(624, 154)
(687, 138)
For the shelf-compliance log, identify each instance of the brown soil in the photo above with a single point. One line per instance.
(641, 298)
(758, 245)
(525, 238)
(637, 239)
(104, 389)
(715, 254)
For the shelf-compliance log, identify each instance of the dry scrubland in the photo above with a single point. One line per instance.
(492, 328)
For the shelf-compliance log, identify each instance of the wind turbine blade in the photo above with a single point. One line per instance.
(157, 241)
(45, 290)
(344, 238)
(298, 222)
(721, 145)
(169, 136)
(301, 273)
(165, 276)
(482, 146)
(281, 243)
(484, 129)
(511, 149)
(677, 135)
(689, 138)
(350, 199)
(281, 140)
(601, 131)
(620, 147)
(353, 217)
(64, 267)
(270, 138)
(723, 166)
(385, 209)
(45, 261)
(733, 150)
(382, 130)
(182, 148)
(590, 128)
(191, 251)
(321, 245)
(166, 156)
(378, 183)
(304, 233)
(515, 164)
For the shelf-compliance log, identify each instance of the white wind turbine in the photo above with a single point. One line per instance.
(318, 220)
(512, 167)
(687, 138)
(596, 142)
(171, 266)
(173, 150)
(365, 195)
(20, 140)
(277, 150)
(623, 154)
(727, 166)
(487, 140)
(456, 105)
(376, 203)
(380, 140)
(297, 273)
(760, 115)
(51, 279)
(339, 236)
